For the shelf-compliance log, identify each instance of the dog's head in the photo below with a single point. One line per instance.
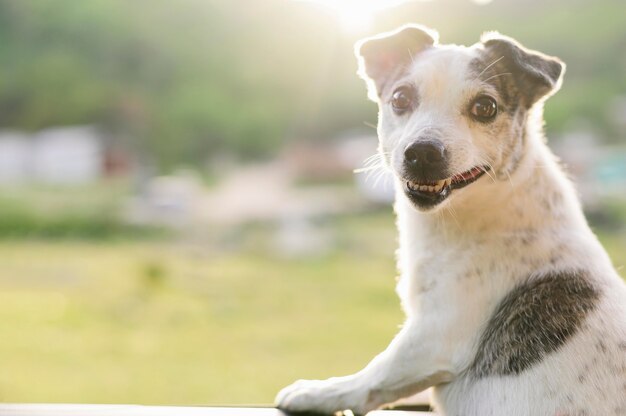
(450, 114)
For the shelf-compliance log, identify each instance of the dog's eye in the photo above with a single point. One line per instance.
(402, 100)
(484, 108)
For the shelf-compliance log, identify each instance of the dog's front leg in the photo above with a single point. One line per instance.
(415, 359)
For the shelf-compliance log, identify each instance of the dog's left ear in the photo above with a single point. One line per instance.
(383, 57)
(537, 75)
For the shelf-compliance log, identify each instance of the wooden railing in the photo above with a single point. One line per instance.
(138, 410)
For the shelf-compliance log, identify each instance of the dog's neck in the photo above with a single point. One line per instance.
(537, 194)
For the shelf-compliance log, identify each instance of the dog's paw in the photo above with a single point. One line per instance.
(321, 396)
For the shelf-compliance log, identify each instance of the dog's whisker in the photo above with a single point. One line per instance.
(498, 75)
(376, 157)
(370, 170)
(371, 125)
(381, 175)
(372, 161)
(373, 156)
(490, 171)
(489, 66)
(374, 168)
(509, 177)
(373, 172)
(366, 169)
(453, 214)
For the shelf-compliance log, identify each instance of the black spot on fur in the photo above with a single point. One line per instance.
(490, 68)
(533, 320)
(530, 75)
(521, 78)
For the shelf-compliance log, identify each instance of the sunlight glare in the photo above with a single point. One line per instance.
(356, 15)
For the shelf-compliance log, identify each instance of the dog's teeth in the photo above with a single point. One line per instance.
(448, 181)
(436, 187)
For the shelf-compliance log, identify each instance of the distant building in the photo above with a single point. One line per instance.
(62, 156)
(352, 155)
(15, 152)
(67, 155)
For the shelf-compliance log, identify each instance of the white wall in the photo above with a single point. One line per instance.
(68, 155)
(15, 151)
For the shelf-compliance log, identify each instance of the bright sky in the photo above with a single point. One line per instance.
(356, 15)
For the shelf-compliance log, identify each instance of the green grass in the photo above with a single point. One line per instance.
(170, 323)
(150, 322)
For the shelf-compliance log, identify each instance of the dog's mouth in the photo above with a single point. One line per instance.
(430, 193)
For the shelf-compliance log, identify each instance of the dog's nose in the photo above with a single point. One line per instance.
(425, 157)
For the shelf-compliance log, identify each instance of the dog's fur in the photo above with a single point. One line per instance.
(513, 307)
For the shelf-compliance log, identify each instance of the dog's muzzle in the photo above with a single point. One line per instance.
(426, 173)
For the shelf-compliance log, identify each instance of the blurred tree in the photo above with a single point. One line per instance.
(185, 80)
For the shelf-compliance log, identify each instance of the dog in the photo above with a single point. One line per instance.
(513, 307)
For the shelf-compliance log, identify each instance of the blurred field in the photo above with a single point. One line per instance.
(167, 323)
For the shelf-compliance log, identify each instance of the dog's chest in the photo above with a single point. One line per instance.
(434, 274)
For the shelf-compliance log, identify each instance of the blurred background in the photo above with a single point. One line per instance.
(180, 222)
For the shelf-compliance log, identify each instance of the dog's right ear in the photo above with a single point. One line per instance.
(385, 56)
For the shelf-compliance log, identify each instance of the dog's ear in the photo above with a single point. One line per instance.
(536, 75)
(387, 55)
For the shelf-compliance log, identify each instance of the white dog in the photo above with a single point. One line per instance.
(513, 307)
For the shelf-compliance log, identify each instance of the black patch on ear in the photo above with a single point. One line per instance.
(533, 320)
(533, 74)
(387, 55)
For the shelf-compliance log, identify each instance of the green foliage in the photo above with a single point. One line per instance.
(67, 213)
(185, 80)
